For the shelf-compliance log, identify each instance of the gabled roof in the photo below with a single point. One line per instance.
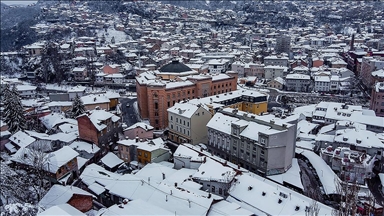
(59, 194)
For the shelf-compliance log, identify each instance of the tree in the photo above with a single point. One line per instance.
(19, 209)
(14, 113)
(313, 209)
(348, 197)
(78, 107)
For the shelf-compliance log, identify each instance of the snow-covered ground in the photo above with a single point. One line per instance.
(111, 32)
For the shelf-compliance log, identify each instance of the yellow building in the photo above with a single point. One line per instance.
(243, 99)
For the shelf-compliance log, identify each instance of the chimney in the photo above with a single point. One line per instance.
(352, 43)
(125, 201)
(163, 176)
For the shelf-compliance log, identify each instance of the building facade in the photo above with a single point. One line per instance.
(156, 92)
(377, 99)
(187, 123)
(263, 147)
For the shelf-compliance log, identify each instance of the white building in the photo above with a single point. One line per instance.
(322, 83)
(273, 71)
(298, 82)
(218, 65)
(350, 165)
(187, 123)
(26, 91)
(261, 144)
(276, 60)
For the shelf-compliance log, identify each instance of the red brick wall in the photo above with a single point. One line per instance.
(142, 100)
(82, 203)
(87, 130)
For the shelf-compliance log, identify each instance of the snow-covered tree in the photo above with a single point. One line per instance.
(14, 113)
(20, 209)
(78, 107)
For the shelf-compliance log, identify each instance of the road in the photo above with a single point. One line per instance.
(128, 113)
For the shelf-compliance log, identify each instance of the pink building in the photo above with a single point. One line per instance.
(377, 99)
(139, 130)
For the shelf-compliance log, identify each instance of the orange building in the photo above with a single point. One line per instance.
(175, 82)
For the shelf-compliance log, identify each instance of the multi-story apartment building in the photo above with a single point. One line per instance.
(276, 60)
(187, 123)
(298, 82)
(262, 144)
(322, 83)
(159, 90)
(252, 69)
(273, 71)
(377, 99)
(283, 43)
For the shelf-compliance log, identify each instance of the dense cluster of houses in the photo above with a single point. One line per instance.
(232, 156)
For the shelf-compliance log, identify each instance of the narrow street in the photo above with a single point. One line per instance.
(128, 112)
(310, 183)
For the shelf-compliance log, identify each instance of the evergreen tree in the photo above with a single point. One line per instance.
(14, 113)
(78, 107)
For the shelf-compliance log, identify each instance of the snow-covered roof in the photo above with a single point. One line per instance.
(25, 88)
(262, 196)
(221, 122)
(94, 99)
(329, 180)
(59, 194)
(63, 210)
(292, 176)
(155, 172)
(111, 160)
(77, 89)
(358, 138)
(298, 76)
(185, 109)
(84, 146)
(53, 119)
(96, 174)
(224, 207)
(211, 170)
(136, 207)
(98, 116)
(142, 125)
(22, 139)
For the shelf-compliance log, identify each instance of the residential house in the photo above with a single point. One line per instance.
(59, 106)
(252, 69)
(152, 151)
(72, 195)
(99, 127)
(215, 177)
(127, 149)
(35, 49)
(26, 91)
(61, 165)
(186, 123)
(111, 69)
(369, 66)
(94, 101)
(79, 73)
(278, 83)
(139, 130)
(76, 90)
(111, 162)
(298, 82)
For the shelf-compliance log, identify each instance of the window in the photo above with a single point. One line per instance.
(184, 122)
(169, 104)
(171, 126)
(156, 121)
(262, 140)
(139, 153)
(188, 124)
(220, 191)
(127, 148)
(156, 105)
(171, 118)
(213, 189)
(145, 154)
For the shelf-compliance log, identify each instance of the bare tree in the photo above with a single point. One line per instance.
(32, 166)
(313, 209)
(347, 198)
